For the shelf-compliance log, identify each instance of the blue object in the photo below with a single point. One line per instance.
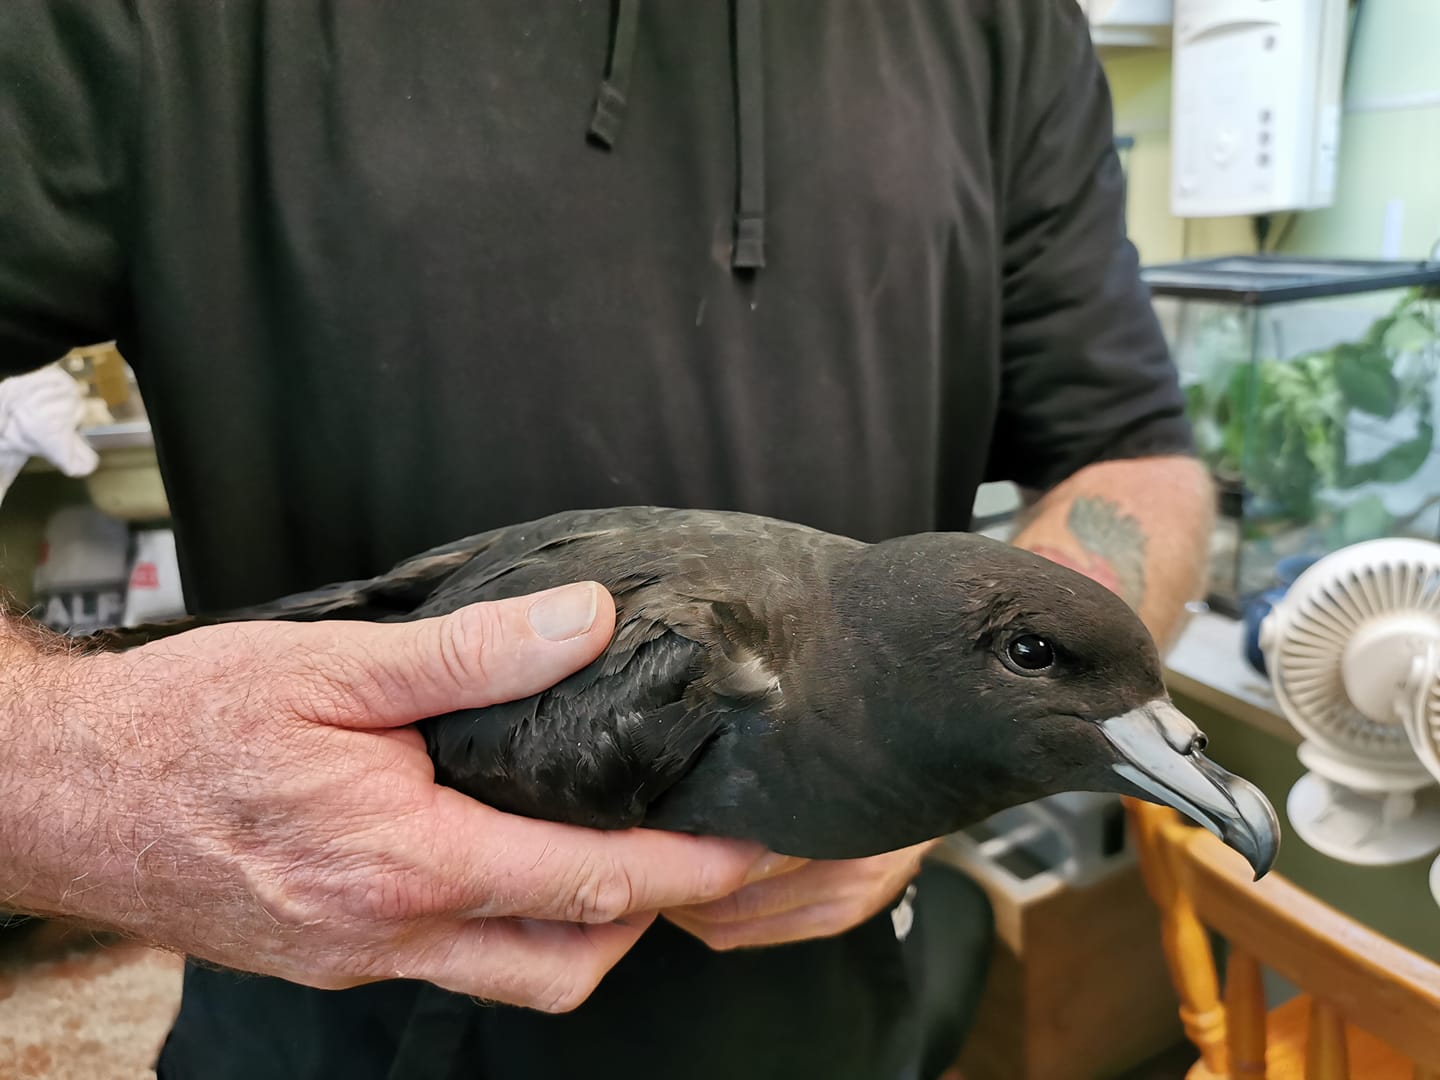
(1255, 611)
(1261, 604)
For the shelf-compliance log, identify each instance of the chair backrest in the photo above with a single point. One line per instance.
(1353, 975)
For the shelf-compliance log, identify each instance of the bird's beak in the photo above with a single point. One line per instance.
(1161, 757)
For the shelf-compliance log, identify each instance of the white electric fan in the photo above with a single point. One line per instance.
(1353, 651)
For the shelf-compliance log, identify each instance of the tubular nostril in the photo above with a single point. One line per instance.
(1198, 743)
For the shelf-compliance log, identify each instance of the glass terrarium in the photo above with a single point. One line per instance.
(1311, 385)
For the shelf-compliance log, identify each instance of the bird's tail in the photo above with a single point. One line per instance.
(343, 600)
(391, 596)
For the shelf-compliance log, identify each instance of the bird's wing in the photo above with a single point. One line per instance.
(595, 750)
(599, 747)
(693, 655)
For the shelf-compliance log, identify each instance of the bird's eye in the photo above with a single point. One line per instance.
(1029, 652)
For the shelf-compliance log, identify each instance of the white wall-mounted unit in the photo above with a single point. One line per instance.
(1129, 23)
(1255, 105)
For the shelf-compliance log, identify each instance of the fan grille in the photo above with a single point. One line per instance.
(1322, 620)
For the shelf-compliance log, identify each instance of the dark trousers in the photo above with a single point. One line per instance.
(863, 1005)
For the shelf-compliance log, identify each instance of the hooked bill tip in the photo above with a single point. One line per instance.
(1161, 760)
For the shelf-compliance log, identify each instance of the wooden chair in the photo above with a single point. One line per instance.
(1368, 1008)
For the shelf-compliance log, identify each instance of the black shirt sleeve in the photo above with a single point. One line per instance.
(1086, 374)
(67, 108)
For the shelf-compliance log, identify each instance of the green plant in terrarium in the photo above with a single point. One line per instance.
(1282, 424)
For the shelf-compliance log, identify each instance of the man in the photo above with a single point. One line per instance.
(383, 288)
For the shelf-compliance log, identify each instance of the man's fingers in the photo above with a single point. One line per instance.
(825, 919)
(550, 871)
(387, 674)
(773, 865)
(816, 882)
(549, 966)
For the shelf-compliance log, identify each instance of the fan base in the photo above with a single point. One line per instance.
(1352, 827)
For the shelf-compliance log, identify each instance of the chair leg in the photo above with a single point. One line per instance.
(1326, 1054)
(1245, 1017)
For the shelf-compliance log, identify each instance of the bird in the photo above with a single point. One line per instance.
(827, 697)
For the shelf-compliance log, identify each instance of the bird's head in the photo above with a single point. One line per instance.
(1037, 680)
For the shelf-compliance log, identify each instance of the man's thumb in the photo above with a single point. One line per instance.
(481, 654)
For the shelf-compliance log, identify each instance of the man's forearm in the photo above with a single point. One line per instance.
(1140, 527)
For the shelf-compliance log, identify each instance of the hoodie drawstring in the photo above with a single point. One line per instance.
(748, 239)
(610, 99)
(749, 247)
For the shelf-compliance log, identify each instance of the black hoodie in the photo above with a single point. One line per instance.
(393, 273)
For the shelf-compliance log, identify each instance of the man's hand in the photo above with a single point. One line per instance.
(248, 794)
(796, 899)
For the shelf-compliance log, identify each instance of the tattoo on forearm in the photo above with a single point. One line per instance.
(1114, 545)
(1106, 533)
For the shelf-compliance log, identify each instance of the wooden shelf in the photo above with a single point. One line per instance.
(122, 435)
(120, 445)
